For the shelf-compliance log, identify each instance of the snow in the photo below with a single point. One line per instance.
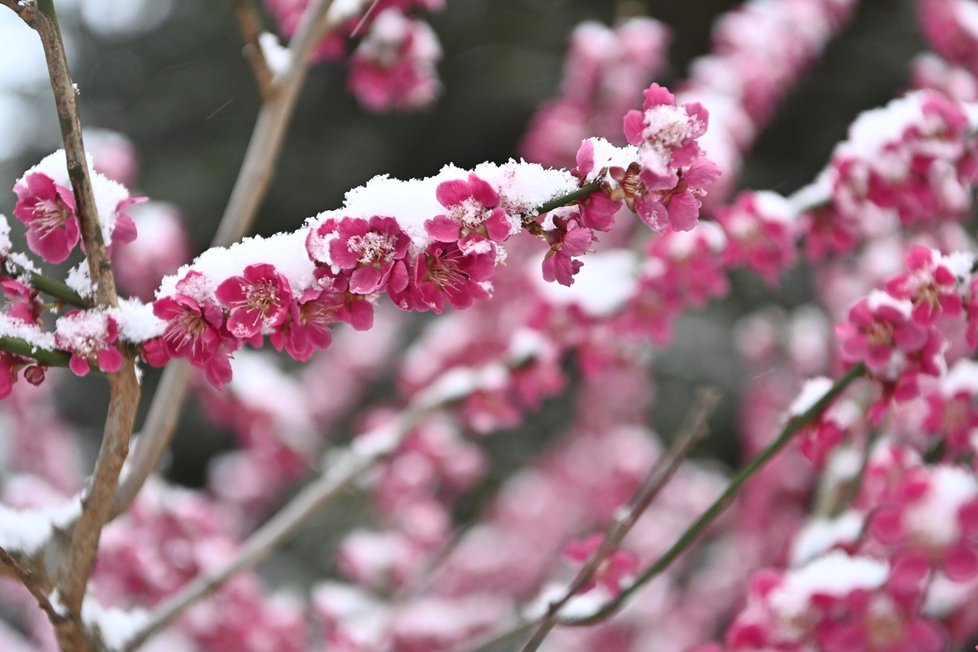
(601, 287)
(873, 129)
(286, 251)
(879, 298)
(607, 155)
(811, 392)
(136, 320)
(278, 57)
(79, 280)
(10, 327)
(343, 10)
(961, 378)
(934, 518)
(114, 625)
(773, 206)
(834, 574)
(5, 244)
(27, 530)
(821, 534)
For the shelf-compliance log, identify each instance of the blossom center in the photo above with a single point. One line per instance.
(372, 248)
(49, 214)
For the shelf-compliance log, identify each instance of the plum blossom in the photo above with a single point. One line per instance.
(259, 299)
(473, 213)
(568, 241)
(371, 251)
(665, 132)
(89, 335)
(194, 330)
(394, 66)
(48, 210)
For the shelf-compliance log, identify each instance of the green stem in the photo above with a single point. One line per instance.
(23, 347)
(48, 286)
(794, 425)
(569, 198)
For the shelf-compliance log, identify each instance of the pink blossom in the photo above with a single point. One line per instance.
(929, 285)
(89, 336)
(568, 240)
(195, 330)
(665, 132)
(48, 210)
(677, 207)
(259, 299)
(444, 273)
(473, 213)
(394, 66)
(371, 251)
(307, 329)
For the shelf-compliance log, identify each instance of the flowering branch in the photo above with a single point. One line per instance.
(794, 425)
(690, 435)
(28, 350)
(124, 389)
(49, 286)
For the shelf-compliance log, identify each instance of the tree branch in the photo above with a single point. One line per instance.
(250, 25)
(686, 540)
(124, 390)
(44, 284)
(250, 188)
(350, 466)
(693, 431)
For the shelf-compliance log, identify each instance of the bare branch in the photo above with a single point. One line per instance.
(123, 386)
(349, 467)
(250, 25)
(688, 538)
(252, 183)
(161, 422)
(694, 430)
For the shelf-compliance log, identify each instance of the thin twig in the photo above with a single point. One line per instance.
(44, 284)
(249, 190)
(124, 390)
(31, 582)
(686, 540)
(250, 24)
(348, 469)
(694, 430)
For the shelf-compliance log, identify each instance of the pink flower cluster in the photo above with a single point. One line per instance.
(46, 206)
(913, 161)
(393, 66)
(428, 255)
(604, 71)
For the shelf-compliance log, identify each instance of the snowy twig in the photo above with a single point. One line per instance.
(124, 390)
(686, 540)
(689, 436)
(44, 284)
(18, 346)
(250, 24)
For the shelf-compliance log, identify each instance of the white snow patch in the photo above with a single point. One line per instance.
(78, 279)
(821, 534)
(811, 392)
(834, 574)
(602, 286)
